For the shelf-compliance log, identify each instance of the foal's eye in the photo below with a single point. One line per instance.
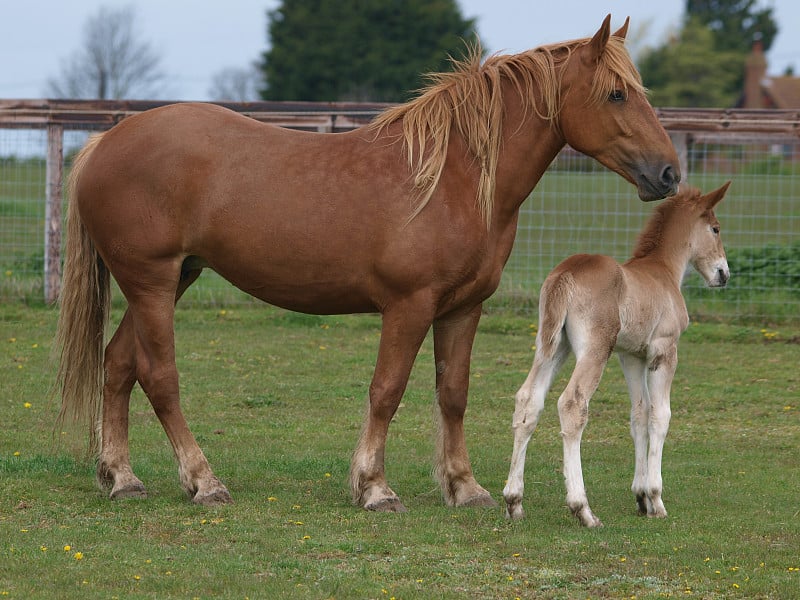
(715, 230)
(616, 96)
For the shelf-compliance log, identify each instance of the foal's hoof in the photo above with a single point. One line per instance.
(387, 505)
(215, 497)
(131, 490)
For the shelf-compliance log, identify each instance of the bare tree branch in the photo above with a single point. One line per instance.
(113, 62)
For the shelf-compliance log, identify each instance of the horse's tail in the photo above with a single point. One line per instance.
(554, 300)
(84, 305)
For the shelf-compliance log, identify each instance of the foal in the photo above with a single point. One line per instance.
(593, 306)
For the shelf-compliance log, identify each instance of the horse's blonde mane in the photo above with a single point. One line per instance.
(470, 99)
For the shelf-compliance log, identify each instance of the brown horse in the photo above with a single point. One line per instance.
(412, 216)
(592, 306)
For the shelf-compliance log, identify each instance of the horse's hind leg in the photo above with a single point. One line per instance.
(114, 465)
(452, 339)
(529, 402)
(152, 308)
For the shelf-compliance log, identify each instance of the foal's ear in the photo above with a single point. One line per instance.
(598, 43)
(714, 198)
(622, 31)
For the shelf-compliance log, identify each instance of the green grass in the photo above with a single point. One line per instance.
(276, 402)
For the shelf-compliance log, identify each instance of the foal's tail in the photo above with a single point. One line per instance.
(554, 300)
(85, 299)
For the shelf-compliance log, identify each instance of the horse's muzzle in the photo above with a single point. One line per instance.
(666, 184)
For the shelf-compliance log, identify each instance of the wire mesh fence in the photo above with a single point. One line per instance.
(578, 206)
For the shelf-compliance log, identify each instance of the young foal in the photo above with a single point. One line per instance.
(594, 306)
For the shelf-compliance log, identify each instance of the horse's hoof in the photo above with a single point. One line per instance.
(131, 490)
(387, 505)
(214, 497)
(479, 500)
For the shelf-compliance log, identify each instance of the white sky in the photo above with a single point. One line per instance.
(198, 38)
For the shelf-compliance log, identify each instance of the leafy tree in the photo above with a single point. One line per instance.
(735, 23)
(689, 71)
(359, 49)
(113, 62)
(704, 64)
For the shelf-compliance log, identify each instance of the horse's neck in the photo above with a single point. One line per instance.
(530, 143)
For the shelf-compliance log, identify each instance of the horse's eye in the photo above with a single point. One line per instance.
(616, 96)
(715, 230)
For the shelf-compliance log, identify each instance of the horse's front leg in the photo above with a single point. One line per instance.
(528, 405)
(635, 370)
(452, 340)
(573, 411)
(662, 371)
(404, 328)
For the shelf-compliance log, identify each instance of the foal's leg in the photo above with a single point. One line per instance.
(152, 309)
(573, 411)
(404, 328)
(661, 370)
(452, 341)
(635, 370)
(529, 402)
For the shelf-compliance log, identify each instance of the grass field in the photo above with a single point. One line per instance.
(276, 400)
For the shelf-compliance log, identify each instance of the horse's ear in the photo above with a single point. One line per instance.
(598, 43)
(714, 198)
(622, 31)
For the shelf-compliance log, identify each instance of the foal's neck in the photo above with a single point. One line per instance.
(669, 252)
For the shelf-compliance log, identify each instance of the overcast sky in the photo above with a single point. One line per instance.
(198, 38)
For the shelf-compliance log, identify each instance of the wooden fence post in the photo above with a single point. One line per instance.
(52, 213)
(681, 141)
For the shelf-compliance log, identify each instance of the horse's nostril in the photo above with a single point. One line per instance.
(668, 176)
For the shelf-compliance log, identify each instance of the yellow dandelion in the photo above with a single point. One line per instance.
(137, 577)
(306, 537)
(78, 556)
(271, 499)
(43, 548)
(12, 340)
(16, 453)
(327, 474)
(67, 548)
(323, 347)
(27, 405)
(34, 345)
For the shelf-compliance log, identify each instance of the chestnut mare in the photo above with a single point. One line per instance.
(593, 306)
(412, 216)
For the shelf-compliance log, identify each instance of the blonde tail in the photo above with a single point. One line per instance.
(84, 306)
(554, 299)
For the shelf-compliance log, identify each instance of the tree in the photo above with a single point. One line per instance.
(704, 64)
(735, 23)
(113, 62)
(236, 85)
(359, 49)
(689, 71)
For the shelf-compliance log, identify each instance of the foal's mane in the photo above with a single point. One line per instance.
(470, 99)
(652, 235)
